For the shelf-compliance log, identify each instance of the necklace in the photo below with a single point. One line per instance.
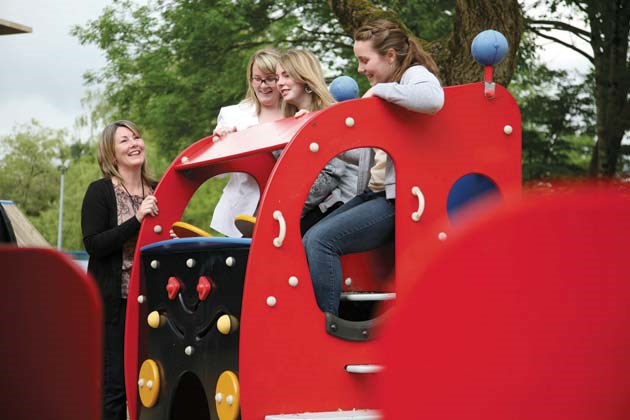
(133, 203)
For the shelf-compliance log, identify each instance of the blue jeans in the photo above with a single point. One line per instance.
(363, 223)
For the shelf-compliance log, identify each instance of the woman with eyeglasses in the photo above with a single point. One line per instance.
(262, 104)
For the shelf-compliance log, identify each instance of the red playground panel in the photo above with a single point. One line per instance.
(286, 356)
(51, 333)
(525, 315)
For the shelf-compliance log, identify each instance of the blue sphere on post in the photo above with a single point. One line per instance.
(489, 47)
(344, 88)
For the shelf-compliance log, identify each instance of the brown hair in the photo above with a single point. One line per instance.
(386, 35)
(304, 67)
(107, 156)
(266, 60)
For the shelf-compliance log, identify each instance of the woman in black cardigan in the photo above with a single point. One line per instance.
(113, 208)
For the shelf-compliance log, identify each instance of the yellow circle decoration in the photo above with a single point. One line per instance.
(228, 406)
(149, 383)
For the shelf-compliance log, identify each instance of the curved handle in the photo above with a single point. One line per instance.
(277, 242)
(415, 216)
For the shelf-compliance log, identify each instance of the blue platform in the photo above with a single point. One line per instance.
(197, 243)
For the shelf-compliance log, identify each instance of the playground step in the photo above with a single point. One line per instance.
(330, 415)
(367, 296)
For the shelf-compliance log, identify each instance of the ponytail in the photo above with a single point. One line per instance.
(386, 35)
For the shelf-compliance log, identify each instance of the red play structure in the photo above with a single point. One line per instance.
(285, 356)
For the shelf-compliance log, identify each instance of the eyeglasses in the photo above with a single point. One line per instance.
(269, 81)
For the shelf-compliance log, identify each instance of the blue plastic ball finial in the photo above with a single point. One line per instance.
(489, 47)
(344, 88)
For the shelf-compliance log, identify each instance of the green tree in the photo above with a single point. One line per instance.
(82, 170)
(609, 38)
(28, 174)
(173, 64)
(168, 70)
(558, 123)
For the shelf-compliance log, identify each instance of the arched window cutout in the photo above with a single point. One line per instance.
(200, 209)
(468, 189)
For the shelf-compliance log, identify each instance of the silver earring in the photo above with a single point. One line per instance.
(307, 89)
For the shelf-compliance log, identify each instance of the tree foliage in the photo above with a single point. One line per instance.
(173, 64)
(608, 36)
(558, 123)
(28, 175)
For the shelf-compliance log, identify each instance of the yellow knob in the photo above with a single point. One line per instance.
(227, 324)
(155, 320)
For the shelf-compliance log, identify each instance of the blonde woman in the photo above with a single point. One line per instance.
(302, 86)
(262, 104)
(113, 208)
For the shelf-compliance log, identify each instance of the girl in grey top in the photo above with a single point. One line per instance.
(401, 72)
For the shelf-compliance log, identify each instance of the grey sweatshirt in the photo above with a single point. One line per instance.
(420, 91)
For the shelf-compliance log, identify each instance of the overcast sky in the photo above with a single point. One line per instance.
(41, 72)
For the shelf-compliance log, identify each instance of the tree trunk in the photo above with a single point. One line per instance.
(610, 28)
(452, 54)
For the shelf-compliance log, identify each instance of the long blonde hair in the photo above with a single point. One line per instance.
(303, 67)
(386, 34)
(107, 152)
(266, 60)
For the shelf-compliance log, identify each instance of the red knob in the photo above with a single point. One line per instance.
(172, 287)
(203, 287)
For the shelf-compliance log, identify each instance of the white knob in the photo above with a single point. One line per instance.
(190, 263)
(189, 350)
(155, 264)
(507, 129)
(142, 299)
(271, 301)
(293, 281)
(314, 147)
(229, 261)
(157, 229)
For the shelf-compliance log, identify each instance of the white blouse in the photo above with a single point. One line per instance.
(241, 194)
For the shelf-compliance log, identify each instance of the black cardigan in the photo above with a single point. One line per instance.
(104, 239)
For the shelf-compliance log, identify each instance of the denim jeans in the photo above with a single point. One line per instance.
(363, 223)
